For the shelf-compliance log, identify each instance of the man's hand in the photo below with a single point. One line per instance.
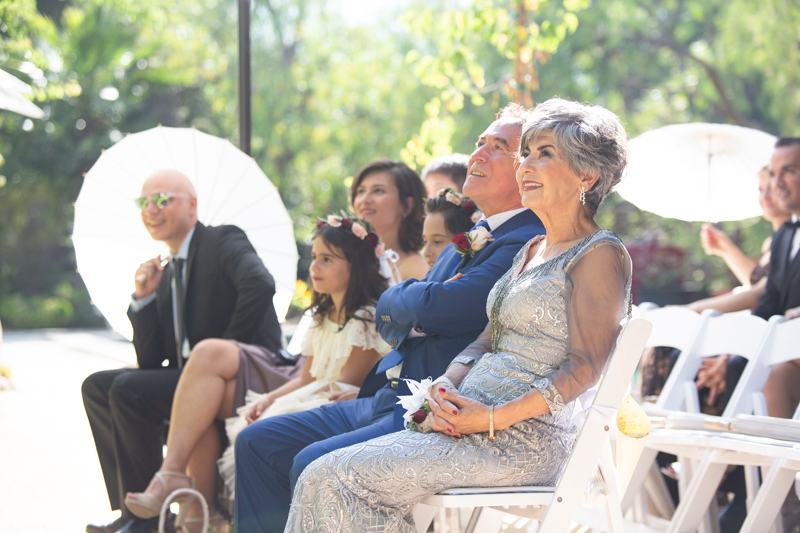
(792, 313)
(454, 414)
(147, 277)
(344, 395)
(457, 276)
(712, 375)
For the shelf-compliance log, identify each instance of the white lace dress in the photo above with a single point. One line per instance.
(329, 345)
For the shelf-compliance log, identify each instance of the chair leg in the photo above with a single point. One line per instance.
(647, 459)
(658, 493)
(616, 523)
(770, 497)
(484, 519)
(423, 516)
(698, 495)
(709, 523)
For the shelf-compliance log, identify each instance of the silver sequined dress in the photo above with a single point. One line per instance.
(372, 486)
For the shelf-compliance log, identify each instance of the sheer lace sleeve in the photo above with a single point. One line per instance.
(597, 299)
(477, 348)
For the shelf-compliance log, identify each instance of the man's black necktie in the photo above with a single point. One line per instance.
(177, 275)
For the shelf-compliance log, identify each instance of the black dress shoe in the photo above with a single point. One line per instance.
(140, 525)
(113, 527)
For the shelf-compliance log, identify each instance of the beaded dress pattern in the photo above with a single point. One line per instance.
(373, 486)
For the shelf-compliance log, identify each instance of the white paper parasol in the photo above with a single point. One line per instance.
(702, 172)
(111, 241)
(12, 96)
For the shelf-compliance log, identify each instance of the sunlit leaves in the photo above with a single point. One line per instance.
(455, 54)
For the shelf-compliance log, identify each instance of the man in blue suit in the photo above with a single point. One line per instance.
(428, 322)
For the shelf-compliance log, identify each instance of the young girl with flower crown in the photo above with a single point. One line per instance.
(447, 215)
(343, 342)
(340, 347)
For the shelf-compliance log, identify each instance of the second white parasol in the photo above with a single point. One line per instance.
(111, 241)
(697, 172)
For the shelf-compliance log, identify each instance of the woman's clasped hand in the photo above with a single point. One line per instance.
(455, 414)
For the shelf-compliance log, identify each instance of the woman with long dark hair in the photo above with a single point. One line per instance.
(391, 197)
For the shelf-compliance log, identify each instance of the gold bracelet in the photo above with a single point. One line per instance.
(491, 423)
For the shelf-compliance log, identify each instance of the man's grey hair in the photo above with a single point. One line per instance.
(514, 113)
(591, 139)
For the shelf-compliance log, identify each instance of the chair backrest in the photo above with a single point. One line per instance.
(779, 344)
(676, 327)
(733, 333)
(585, 454)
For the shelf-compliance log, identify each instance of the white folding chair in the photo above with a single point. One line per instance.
(556, 506)
(676, 327)
(779, 459)
(735, 333)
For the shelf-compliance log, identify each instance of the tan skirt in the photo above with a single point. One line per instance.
(259, 371)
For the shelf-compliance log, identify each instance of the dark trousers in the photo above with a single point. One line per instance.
(271, 454)
(127, 409)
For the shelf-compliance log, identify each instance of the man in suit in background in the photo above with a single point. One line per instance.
(782, 293)
(215, 286)
(428, 322)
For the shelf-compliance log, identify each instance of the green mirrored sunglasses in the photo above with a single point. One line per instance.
(159, 199)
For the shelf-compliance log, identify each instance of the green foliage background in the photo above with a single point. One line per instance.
(329, 96)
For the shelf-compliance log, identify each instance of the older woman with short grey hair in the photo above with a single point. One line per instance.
(502, 412)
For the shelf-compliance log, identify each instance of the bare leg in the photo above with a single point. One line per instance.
(203, 468)
(204, 393)
(781, 390)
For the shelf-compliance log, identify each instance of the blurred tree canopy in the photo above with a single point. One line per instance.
(330, 95)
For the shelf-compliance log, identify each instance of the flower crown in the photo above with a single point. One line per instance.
(360, 228)
(469, 207)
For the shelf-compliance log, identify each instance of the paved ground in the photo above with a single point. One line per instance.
(50, 478)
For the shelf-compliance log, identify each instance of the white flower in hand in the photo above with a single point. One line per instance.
(480, 237)
(416, 402)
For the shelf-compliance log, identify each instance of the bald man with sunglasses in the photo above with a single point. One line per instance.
(216, 282)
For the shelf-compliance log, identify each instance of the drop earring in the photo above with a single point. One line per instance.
(583, 195)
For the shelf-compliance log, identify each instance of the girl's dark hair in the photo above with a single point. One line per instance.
(366, 283)
(409, 185)
(456, 220)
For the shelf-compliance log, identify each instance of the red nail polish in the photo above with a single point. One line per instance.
(450, 430)
(455, 412)
(441, 390)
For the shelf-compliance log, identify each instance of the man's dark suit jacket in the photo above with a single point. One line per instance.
(783, 283)
(228, 296)
(452, 314)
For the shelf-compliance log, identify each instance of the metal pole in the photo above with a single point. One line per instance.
(245, 116)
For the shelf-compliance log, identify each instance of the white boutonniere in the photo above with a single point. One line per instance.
(416, 405)
(468, 243)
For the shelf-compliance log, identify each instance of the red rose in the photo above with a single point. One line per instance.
(469, 207)
(320, 223)
(345, 223)
(419, 417)
(373, 239)
(462, 241)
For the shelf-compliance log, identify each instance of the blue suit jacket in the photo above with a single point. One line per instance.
(453, 314)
